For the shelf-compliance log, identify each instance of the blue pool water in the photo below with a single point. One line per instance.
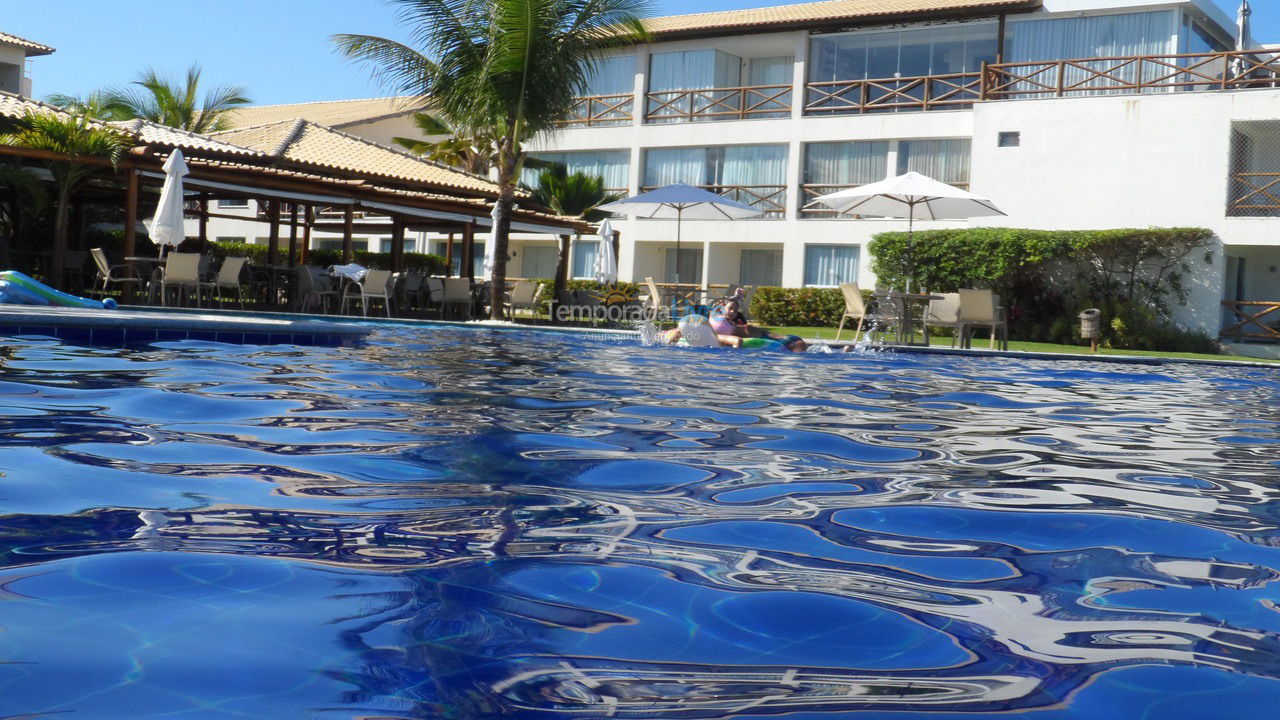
(472, 524)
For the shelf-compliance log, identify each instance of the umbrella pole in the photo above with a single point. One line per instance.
(911, 248)
(679, 214)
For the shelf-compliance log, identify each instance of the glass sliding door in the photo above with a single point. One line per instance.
(539, 261)
(830, 167)
(611, 166)
(760, 267)
(1041, 43)
(584, 258)
(770, 72)
(943, 160)
(830, 265)
(682, 85)
(752, 174)
(690, 265)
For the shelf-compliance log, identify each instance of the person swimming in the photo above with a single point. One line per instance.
(732, 313)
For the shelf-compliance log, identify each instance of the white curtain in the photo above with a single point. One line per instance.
(943, 160)
(664, 166)
(584, 258)
(1125, 35)
(760, 267)
(771, 71)
(754, 165)
(612, 166)
(846, 163)
(830, 265)
(691, 70)
(613, 75)
(690, 265)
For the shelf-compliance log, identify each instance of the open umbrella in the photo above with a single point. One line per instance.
(681, 201)
(911, 196)
(606, 269)
(167, 227)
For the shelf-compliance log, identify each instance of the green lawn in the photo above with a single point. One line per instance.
(981, 343)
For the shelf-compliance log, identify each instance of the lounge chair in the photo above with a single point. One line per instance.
(376, 285)
(525, 295)
(433, 294)
(457, 293)
(854, 308)
(181, 273)
(981, 309)
(110, 275)
(944, 313)
(228, 278)
(314, 288)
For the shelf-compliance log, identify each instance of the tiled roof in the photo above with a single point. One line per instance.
(337, 113)
(150, 133)
(309, 143)
(828, 11)
(32, 48)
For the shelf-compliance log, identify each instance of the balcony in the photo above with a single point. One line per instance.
(1254, 194)
(770, 199)
(1201, 72)
(725, 103)
(955, 91)
(600, 111)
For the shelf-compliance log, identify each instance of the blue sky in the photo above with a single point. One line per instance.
(279, 50)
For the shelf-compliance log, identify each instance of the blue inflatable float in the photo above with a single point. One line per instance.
(19, 289)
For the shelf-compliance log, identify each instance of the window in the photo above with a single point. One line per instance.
(752, 174)
(690, 266)
(760, 267)
(584, 258)
(830, 265)
(230, 239)
(1095, 36)
(360, 244)
(540, 261)
(902, 53)
(1009, 138)
(233, 203)
(943, 160)
(671, 73)
(1255, 169)
(613, 167)
(829, 167)
(612, 76)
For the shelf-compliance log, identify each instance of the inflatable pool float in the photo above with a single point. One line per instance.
(19, 289)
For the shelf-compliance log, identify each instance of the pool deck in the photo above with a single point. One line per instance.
(127, 326)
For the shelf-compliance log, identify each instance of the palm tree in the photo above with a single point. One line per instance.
(472, 154)
(506, 69)
(74, 135)
(573, 195)
(172, 104)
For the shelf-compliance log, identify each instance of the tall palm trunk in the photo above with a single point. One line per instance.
(501, 229)
(562, 272)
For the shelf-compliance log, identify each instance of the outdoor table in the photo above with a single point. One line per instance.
(906, 304)
(153, 276)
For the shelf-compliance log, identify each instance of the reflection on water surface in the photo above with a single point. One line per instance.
(469, 524)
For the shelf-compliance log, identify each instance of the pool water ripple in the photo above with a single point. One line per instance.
(474, 524)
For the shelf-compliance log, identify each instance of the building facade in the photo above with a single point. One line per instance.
(1068, 114)
(14, 52)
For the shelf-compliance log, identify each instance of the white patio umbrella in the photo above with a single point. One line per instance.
(1243, 41)
(681, 201)
(167, 227)
(912, 196)
(606, 269)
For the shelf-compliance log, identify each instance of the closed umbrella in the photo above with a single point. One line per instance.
(490, 247)
(1243, 41)
(606, 269)
(912, 196)
(681, 201)
(168, 227)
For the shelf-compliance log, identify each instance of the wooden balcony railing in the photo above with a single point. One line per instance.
(600, 111)
(932, 92)
(811, 209)
(770, 199)
(1254, 194)
(736, 103)
(1233, 70)
(1252, 321)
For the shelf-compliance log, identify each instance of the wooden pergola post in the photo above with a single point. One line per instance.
(468, 251)
(448, 257)
(348, 218)
(293, 234)
(273, 235)
(204, 223)
(309, 212)
(397, 244)
(130, 222)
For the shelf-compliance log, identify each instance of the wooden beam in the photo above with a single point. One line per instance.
(347, 220)
(130, 222)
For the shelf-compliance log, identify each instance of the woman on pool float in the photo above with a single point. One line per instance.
(734, 330)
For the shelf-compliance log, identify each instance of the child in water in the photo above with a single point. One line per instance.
(742, 329)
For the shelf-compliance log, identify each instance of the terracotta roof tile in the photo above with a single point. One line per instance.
(337, 113)
(150, 133)
(827, 11)
(32, 48)
(309, 143)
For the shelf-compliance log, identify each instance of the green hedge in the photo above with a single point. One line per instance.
(797, 307)
(413, 262)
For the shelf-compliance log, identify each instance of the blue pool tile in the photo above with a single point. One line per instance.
(108, 336)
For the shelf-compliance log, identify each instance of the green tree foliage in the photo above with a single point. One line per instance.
(1045, 277)
(157, 99)
(471, 154)
(506, 69)
(72, 136)
(573, 195)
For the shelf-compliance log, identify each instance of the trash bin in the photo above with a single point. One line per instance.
(1091, 326)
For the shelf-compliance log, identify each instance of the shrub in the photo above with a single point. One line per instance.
(797, 307)
(413, 262)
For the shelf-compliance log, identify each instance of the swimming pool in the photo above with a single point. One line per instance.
(479, 524)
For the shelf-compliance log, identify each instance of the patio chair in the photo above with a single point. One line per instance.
(457, 293)
(228, 278)
(433, 295)
(314, 288)
(525, 295)
(981, 309)
(887, 311)
(108, 275)
(652, 310)
(409, 291)
(944, 313)
(181, 273)
(854, 308)
(376, 285)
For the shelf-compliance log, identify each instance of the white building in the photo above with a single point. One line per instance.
(14, 51)
(774, 106)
